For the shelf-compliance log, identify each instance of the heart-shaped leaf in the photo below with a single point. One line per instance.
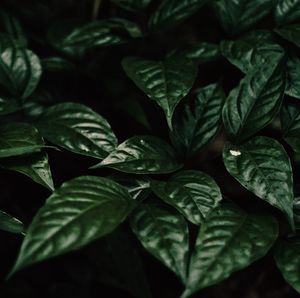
(10, 224)
(142, 155)
(164, 234)
(193, 193)
(198, 121)
(287, 11)
(77, 128)
(80, 211)
(263, 167)
(255, 102)
(165, 82)
(228, 241)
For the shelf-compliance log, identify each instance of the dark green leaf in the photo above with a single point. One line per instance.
(9, 105)
(255, 102)
(57, 64)
(287, 11)
(263, 167)
(197, 122)
(290, 33)
(165, 82)
(293, 78)
(10, 224)
(288, 260)
(172, 12)
(193, 193)
(237, 16)
(228, 241)
(82, 210)
(132, 5)
(296, 208)
(164, 234)
(142, 155)
(18, 139)
(35, 166)
(77, 128)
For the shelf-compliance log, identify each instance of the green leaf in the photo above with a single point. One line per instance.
(263, 167)
(9, 105)
(287, 258)
(237, 16)
(255, 102)
(57, 64)
(287, 11)
(293, 80)
(198, 121)
(164, 234)
(80, 211)
(142, 155)
(228, 241)
(18, 139)
(296, 209)
(290, 123)
(77, 128)
(290, 33)
(35, 166)
(132, 5)
(20, 69)
(10, 224)
(193, 193)
(172, 12)
(165, 82)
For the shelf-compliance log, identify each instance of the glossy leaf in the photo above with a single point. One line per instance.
(263, 167)
(195, 124)
(288, 260)
(290, 33)
(142, 155)
(193, 193)
(172, 12)
(165, 82)
(228, 241)
(255, 102)
(18, 139)
(35, 166)
(77, 128)
(237, 16)
(293, 80)
(164, 234)
(10, 224)
(132, 5)
(80, 211)
(287, 11)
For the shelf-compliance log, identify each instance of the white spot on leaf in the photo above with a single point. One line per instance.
(235, 152)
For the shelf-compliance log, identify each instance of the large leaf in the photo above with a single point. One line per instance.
(20, 69)
(263, 167)
(197, 123)
(290, 33)
(237, 16)
(142, 155)
(228, 241)
(10, 224)
(164, 234)
(132, 5)
(255, 102)
(165, 82)
(293, 77)
(172, 12)
(290, 123)
(18, 139)
(77, 128)
(80, 211)
(287, 11)
(288, 260)
(35, 166)
(193, 193)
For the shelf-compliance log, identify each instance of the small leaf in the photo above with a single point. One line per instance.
(255, 102)
(172, 12)
(237, 16)
(142, 155)
(293, 80)
(18, 139)
(193, 193)
(228, 241)
(77, 128)
(263, 167)
(287, 258)
(165, 82)
(35, 166)
(198, 121)
(164, 234)
(132, 5)
(80, 211)
(57, 64)
(287, 11)
(10, 224)
(290, 33)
